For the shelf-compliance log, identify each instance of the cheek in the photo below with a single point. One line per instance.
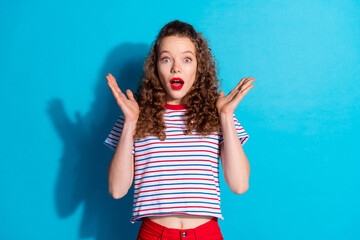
(161, 74)
(160, 71)
(163, 69)
(191, 70)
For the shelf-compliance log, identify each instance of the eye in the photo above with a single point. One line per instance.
(187, 59)
(165, 59)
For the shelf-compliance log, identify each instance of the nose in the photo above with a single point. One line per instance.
(175, 68)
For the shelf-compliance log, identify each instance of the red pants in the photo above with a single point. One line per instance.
(150, 230)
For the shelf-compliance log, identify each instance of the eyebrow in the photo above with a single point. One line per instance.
(165, 51)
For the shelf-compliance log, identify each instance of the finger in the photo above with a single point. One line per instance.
(233, 94)
(221, 93)
(240, 83)
(246, 90)
(250, 79)
(247, 84)
(110, 75)
(113, 84)
(111, 78)
(241, 94)
(114, 89)
(118, 95)
(237, 86)
(130, 94)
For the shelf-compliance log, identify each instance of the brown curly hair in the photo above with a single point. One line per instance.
(201, 114)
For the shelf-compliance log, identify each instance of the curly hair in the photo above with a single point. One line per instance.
(201, 114)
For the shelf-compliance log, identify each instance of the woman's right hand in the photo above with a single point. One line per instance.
(129, 107)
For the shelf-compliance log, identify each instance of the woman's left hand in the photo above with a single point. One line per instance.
(227, 104)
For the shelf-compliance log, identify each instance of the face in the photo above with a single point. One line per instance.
(177, 67)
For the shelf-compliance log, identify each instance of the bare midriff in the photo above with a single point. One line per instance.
(180, 221)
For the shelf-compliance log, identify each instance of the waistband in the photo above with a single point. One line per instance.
(162, 230)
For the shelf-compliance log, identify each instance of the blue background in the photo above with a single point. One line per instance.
(302, 116)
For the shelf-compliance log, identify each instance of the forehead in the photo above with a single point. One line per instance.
(174, 44)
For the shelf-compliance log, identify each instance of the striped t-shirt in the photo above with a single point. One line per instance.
(179, 175)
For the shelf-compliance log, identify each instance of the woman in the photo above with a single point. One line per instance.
(170, 138)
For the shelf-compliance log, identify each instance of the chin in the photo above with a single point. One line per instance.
(174, 97)
(178, 96)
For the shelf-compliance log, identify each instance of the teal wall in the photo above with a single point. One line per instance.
(303, 116)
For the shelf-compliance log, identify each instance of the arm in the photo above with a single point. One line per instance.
(234, 162)
(121, 167)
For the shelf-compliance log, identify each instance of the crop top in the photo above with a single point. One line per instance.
(179, 175)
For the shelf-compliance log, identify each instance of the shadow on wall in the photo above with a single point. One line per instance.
(82, 178)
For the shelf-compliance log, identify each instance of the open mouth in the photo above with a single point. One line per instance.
(176, 83)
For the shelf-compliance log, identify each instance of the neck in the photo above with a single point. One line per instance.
(175, 106)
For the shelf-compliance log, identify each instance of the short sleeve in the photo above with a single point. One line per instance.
(242, 134)
(113, 138)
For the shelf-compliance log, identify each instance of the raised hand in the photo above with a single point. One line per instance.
(128, 106)
(227, 104)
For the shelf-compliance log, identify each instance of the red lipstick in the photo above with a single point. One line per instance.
(176, 83)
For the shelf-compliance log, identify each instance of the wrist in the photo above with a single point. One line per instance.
(130, 124)
(226, 115)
